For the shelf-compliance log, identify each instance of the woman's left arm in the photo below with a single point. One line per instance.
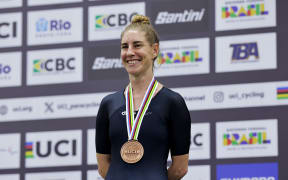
(179, 138)
(179, 167)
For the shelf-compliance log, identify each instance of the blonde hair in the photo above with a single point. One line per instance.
(142, 23)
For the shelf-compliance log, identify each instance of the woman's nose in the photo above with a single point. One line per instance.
(130, 51)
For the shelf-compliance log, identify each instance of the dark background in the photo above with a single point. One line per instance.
(90, 85)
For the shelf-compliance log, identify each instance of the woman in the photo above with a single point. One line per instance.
(135, 144)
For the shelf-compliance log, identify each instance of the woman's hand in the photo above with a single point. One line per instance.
(179, 167)
(103, 163)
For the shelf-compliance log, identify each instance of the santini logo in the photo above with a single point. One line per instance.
(106, 63)
(186, 16)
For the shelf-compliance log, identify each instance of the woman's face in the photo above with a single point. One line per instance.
(136, 53)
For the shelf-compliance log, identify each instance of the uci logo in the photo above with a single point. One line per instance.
(60, 148)
(8, 29)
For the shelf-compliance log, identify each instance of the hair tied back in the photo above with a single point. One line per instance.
(140, 19)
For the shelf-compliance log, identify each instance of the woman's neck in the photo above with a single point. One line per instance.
(140, 83)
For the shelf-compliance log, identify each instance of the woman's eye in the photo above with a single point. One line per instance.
(124, 46)
(137, 45)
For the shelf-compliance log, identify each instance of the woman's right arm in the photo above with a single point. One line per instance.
(102, 140)
(103, 163)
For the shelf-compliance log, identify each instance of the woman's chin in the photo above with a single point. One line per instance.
(132, 70)
(133, 73)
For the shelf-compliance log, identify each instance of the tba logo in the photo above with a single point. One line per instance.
(242, 11)
(245, 52)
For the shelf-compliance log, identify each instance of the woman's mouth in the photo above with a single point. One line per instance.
(132, 61)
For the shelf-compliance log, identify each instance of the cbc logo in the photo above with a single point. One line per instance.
(114, 20)
(53, 65)
(8, 30)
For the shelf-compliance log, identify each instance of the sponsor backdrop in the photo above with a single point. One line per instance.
(227, 58)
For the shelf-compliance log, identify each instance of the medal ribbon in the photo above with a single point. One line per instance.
(133, 126)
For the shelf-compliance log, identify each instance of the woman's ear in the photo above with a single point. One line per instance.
(155, 50)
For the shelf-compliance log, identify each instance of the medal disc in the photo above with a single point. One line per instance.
(132, 151)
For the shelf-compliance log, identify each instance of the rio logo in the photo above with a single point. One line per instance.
(4, 69)
(43, 25)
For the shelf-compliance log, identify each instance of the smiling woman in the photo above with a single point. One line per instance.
(135, 144)
(137, 54)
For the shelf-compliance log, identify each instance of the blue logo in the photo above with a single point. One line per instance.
(263, 171)
(5, 69)
(42, 25)
(245, 51)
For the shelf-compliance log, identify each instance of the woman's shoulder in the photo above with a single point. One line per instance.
(113, 97)
(171, 94)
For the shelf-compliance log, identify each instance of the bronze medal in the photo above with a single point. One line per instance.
(132, 151)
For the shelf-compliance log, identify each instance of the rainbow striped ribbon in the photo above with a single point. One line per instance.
(133, 126)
